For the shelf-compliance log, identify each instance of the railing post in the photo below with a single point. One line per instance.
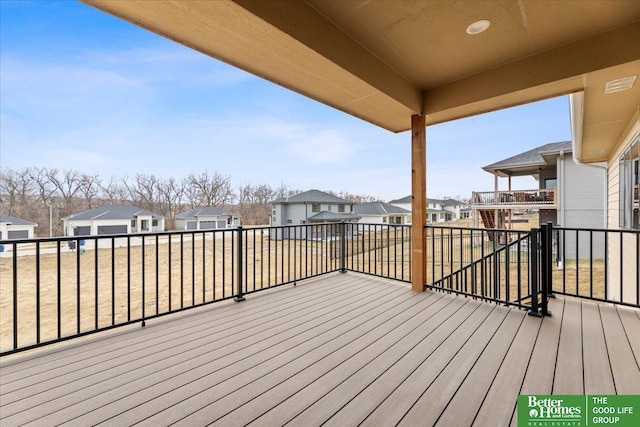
(533, 250)
(545, 250)
(239, 297)
(343, 251)
(550, 261)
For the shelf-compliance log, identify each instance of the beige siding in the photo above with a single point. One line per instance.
(623, 257)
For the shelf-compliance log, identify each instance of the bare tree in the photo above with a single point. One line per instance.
(208, 189)
(16, 190)
(143, 191)
(355, 198)
(67, 186)
(113, 191)
(90, 188)
(170, 193)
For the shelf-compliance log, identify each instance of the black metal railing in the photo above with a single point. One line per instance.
(53, 289)
(490, 264)
(597, 264)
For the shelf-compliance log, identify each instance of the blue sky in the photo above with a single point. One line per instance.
(80, 89)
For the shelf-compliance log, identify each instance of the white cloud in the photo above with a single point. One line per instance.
(326, 146)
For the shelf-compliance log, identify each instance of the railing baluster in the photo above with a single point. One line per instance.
(239, 296)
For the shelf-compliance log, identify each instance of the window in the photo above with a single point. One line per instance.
(133, 223)
(302, 221)
(341, 208)
(550, 183)
(154, 223)
(315, 207)
(384, 219)
(629, 186)
(289, 221)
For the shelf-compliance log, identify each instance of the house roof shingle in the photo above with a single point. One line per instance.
(531, 158)
(332, 216)
(378, 208)
(203, 211)
(15, 221)
(312, 196)
(106, 212)
(445, 202)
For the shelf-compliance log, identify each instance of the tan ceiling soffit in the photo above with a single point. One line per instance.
(552, 73)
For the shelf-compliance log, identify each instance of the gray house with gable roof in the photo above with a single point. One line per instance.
(568, 194)
(206, 218)
(437, 210)
(382, 213)
(113, 219)
(317, 210)
(15, 228)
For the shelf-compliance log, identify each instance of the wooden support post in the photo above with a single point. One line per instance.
(418, 202)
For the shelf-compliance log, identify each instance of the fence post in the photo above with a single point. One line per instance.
(533, 251)
(239, 297)
(343, 250)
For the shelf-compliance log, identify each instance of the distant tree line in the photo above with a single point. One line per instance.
(33, 193)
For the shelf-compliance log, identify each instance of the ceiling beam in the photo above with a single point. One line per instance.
(314, 30)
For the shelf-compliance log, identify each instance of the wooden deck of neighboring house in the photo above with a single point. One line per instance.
(340, 349)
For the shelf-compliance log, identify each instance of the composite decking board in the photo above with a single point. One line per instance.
(621, 357)
(254, 371)
(207, 321)
(277, 373)
(569, 372)
(176, 344)
(315, 369)
(463, 407)
(141, 333)
(598, 378)
(350, 387)
(396, 340)
(499, 403)
(95, 344)
(335, 361)
(166, 386)
(540, 372)
(437, 350)
(441, 378)
(631, 324)
(81, 400)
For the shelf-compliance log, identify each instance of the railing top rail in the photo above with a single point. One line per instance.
(498, 230)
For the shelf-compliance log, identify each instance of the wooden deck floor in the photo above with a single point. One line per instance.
(340, 350)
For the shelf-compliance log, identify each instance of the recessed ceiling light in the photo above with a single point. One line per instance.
(478, 26)
(619, 85)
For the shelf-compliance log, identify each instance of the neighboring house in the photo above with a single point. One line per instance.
(15, 228)
(437, 210)
(568, 194)
(206, 218)
(113, 219)
(312, 207)
(622, 190)
(382, 213)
